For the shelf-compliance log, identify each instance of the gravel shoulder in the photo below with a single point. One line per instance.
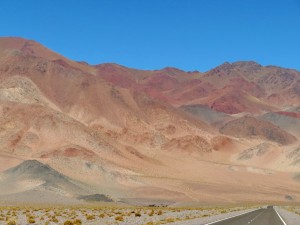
(289, 217)
(205, 220)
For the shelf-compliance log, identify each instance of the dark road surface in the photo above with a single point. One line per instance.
(258, 217)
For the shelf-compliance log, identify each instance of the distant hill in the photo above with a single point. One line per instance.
(34, 175)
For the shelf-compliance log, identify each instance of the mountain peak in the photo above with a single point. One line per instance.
(225, 66)
(247, 65)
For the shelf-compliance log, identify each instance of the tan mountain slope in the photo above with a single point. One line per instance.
(147, 135)
(250, 127)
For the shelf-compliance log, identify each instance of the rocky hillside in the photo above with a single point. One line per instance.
(250, 127)
(137, 134)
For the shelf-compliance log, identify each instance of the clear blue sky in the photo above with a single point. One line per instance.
(152, 34)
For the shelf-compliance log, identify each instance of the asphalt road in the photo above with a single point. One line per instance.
(258, 217)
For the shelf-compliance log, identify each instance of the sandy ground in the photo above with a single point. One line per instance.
(111, 215)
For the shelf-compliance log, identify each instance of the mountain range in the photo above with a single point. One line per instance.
(228, 135)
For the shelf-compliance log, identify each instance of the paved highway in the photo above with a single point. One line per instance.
(258, 217)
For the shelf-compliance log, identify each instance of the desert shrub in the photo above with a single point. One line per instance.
(138, 214)
(90, 217)
(102, 215)
(31, 220)
(170, 220)
(151, 213)
(11, 222)
(54, 219)
(119, 218)
(77, 222)
(68, 222)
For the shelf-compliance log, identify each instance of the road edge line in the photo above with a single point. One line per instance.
(280, 217)
(230, 217)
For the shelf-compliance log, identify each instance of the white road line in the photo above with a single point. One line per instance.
(230, 217)
(280, 217)
(255, 217)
